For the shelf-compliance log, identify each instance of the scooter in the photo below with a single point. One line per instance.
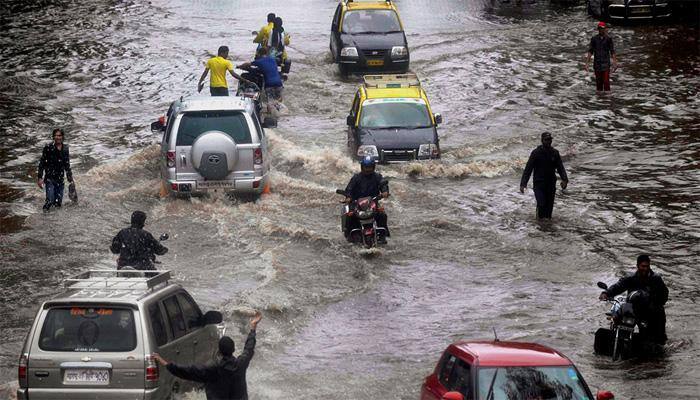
(162, 238)
(621, 340)
(364, 210)
(255, 90)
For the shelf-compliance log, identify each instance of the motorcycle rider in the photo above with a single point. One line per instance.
(136, 247)
(367, 183)
(648, 306)
(263, 35)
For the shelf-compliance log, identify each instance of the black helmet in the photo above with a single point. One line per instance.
(138, 219)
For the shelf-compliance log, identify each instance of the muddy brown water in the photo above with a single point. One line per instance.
(466, 254)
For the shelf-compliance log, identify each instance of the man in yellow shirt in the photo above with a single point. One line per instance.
(218, 66)
(263, 35)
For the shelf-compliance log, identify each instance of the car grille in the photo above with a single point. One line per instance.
(374, 53)
(397, 155)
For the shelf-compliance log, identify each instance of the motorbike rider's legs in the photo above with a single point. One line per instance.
(656, 328)
(381, 219)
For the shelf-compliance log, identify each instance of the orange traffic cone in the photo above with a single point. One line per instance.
(266, 189)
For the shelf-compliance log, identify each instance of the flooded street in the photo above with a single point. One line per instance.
(466, 253)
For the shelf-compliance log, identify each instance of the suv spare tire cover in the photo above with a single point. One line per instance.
(214, 155)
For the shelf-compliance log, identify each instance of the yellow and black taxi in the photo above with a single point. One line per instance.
(391, 120)
(368, 36)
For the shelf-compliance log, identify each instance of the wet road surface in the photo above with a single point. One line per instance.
(466, 255)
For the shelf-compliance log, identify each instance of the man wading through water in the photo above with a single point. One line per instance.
(544, 161)
(601, 49)
(54, 161)
(224, 379)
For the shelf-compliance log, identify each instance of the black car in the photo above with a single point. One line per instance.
(368, 37)
(629, 10)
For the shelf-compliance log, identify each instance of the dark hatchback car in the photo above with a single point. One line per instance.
(368, 37)
(391, 120)
(628, 11)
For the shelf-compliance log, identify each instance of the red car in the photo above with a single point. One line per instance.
(496, 370)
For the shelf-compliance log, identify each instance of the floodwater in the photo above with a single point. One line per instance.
(467, 254)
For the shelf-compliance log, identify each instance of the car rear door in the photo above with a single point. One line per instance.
(87, 352)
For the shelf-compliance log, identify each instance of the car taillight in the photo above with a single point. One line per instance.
(171, 159)
(22, 369)
(173, 186)
(152, 372)
(257, 156)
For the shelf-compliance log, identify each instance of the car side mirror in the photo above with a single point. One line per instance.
(164, 236)
(212, 317)
(602, 285)
(438, 118)
(340, 191)
(604, 395)
(158, 126)
(452, 396)
(350, 120)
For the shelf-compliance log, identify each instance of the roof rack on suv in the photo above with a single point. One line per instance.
(391, 81)
(117, 280)
(367, 1)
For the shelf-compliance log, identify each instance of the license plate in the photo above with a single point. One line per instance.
(86, 377)
(216, 184)
(375, 63)
(640, 10)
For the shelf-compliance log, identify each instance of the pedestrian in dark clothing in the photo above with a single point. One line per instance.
(601, 49)
(367, 183)
(136, 247)
(55, 160)
(544, 161)
(224, 379)
(656, 296)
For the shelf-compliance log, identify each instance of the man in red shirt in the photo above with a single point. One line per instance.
(601, 49)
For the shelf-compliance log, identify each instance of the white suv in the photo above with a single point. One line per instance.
(213, 143)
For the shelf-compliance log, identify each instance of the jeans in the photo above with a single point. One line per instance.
(602, 80)
(544, 194)
(54, 193)
(218, 91)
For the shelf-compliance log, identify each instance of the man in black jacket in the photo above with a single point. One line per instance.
(656, 296)
(544, 161)
(136, 247)
(55, 160)
(226, 378)
(367, 183)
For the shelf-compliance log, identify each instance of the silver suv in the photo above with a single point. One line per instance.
(213, 143)
(95, 340)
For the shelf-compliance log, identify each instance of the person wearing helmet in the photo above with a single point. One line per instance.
(368, 183)
(649, 299)
(601, 49)
(136, 247)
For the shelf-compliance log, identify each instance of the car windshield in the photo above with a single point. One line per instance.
(394, 113)
(232, 123)
(371, 21)
(87, 329)
(533, 383)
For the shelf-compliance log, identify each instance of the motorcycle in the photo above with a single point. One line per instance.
(255, 90)
(623, 338)
(364, 210)
(162, 238)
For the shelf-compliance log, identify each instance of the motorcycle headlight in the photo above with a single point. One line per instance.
(364, 214)
(399, 51)
(628, 321)
(367, 150)
(427, 150)
(348, 52)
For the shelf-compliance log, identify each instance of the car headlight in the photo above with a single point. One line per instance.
(428, 150)
(348, 52)
(399, 51)
(367, 150)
